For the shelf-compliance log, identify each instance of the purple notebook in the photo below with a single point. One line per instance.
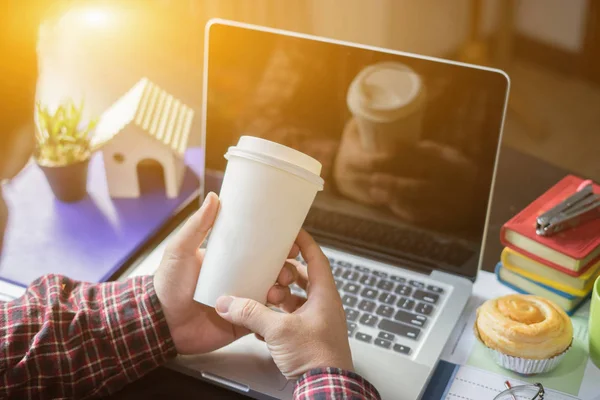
(89, 240)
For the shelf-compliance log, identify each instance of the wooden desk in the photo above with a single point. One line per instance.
(521, 178)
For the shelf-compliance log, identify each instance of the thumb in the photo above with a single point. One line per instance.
(194, 231)
(247, 313)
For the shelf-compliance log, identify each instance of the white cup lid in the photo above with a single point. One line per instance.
(279, 156)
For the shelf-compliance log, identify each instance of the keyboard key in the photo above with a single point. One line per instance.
(331, 261)
(344, 264)
(399, 329)
(363, 337)
(387, 298)
(339, 284)
(427, 297)
(401, 348)
(387, 336)
(406, 304)
(417, 284)
(351, 275)
(411, 319)
(369, 293)
(435, 289)
(380, 274)
(367, 306)
(368, 280)
(424, 309)
(351, 314)
(351, 288)
(385, 311)
(337, 272)
(404, 290)
(385, 285)
(383, 343)
(351, 326)
(397, 278)
(368, 320)
(361, 268)
(349, 301)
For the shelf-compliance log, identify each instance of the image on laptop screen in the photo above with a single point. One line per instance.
(408, 145)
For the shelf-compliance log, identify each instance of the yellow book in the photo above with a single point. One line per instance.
(524, 285)
(578, 286)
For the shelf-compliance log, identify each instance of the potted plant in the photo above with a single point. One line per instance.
(63, 149)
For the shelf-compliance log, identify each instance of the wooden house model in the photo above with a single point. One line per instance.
(146, 123)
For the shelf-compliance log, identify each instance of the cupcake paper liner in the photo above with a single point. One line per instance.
(523, 366)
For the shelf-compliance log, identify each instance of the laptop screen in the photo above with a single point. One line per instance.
(407, 144)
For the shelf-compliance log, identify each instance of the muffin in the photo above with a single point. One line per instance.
(525, 334)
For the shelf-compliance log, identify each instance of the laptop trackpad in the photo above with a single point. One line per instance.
(246, 361)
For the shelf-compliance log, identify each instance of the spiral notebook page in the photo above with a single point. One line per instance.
(475, 384)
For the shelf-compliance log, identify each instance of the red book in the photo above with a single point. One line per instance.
(571, 251)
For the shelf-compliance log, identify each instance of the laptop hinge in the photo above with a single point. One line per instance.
(396, 261)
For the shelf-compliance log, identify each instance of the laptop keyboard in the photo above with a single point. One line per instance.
(393, 306)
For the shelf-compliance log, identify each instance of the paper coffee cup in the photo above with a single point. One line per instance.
(266, 194)
(386, 99)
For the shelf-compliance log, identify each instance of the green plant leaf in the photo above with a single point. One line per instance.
(61, 138)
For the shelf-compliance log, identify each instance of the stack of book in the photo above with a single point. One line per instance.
(561, 267)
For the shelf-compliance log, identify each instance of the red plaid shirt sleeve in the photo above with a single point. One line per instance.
(66, 339)
(334, 383)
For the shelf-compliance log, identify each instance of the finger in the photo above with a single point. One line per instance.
(259, 337)
(287, 275)
(283, 298)
(292, 303)
(294, 251)
(301, 273)
(200, 253)
(247, 313)
(318, 269)
(278, 294)
(194, 231)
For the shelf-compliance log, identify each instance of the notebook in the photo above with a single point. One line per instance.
(89, 240)
(576, 285)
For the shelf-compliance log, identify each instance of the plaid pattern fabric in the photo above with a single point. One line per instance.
(334, 383)
(66, 339)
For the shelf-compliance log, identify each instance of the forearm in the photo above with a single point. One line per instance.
(334, 383)
(76, 340)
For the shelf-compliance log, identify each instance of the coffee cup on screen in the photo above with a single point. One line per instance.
(386, 100)
(266, 194)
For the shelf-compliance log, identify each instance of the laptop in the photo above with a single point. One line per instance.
(408, 145)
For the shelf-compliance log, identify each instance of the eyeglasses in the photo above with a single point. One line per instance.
(523, 392)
